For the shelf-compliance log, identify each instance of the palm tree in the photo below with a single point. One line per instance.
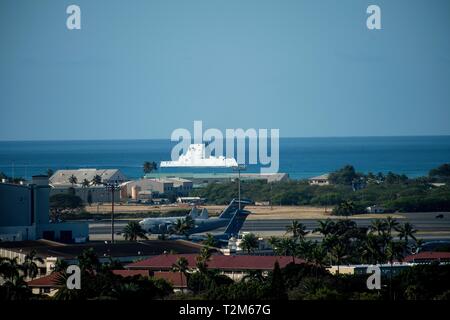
(406, 231)
(73, 180)
(10, 268)
(345, 208)
(394, 250)
(379, 226)
(88, 261)
(288, 247)
(181, 266)
(249, 243)
(97, 180)
(338, 253)
(85, 183)
(64, 293)
(30, 267)
(133, 231)
(325, 227)
(150, 166)
(275, 244)
(373, 249)
(391, 224)
(318, 255)
(304, 249)
(203, 258)
(183, 226)
(16, 288)
(210, 241)
(60, 265)
(178, 227)
(297, 229)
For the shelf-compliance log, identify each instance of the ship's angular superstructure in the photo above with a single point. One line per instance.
(195, 157)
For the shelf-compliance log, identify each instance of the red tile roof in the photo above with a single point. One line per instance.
(46, 281)
(131, 273)
(50, 280)
(428, 255)
(237, 262)
(177, 279)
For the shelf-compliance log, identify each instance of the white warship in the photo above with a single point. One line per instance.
(195, 157)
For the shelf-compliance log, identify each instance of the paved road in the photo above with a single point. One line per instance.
(424, 222)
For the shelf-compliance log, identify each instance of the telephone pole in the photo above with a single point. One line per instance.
(113, 187)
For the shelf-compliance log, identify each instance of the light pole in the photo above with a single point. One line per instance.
(239, 168)
(112, 187)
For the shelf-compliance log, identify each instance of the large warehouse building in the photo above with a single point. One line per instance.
(24, 214)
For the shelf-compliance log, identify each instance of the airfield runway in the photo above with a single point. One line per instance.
(428, 226)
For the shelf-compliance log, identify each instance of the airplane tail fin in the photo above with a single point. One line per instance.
(236, 222)
(194, 213)
(204, 214)
(229, 210)
(198, 214)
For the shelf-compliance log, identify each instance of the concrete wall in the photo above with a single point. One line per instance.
(24, 213)
(78, 229)
(41, 203)
(15, 205)
(17, 233)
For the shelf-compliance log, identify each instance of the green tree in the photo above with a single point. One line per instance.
(278, 289)
(97, 180)
(149, 167)
(442, 172)
(346, 208)
(379, 226)
(407, 231)
(288, 247)
(133, 231)
(391, 224)
(325, 227)
(338, 253)
(344, 176)
(73, 180)
(181, 266)
(202, 259)
(29, 265)
(210, 241)
(85, 183)
(249, 243)
(297, 229)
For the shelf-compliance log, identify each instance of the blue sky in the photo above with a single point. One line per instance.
(143, 68)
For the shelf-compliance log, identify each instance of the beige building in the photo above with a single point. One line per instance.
(321, 180)
(145, 188)
(61, 178)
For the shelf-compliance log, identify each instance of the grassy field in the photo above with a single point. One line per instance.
(258, 212)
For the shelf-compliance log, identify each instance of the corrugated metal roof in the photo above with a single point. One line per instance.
(61, 177)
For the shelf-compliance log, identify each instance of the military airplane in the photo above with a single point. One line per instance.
(201, 222)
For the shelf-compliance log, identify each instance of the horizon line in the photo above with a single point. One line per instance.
(168, 139)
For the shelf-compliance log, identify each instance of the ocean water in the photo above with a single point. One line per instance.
(299, 157)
